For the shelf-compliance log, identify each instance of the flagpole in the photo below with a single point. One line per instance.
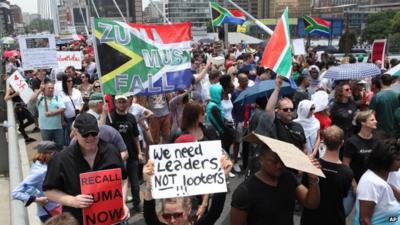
(83, 18)
(161, 13)
(213, 28)
(259, 23)
(119, 10)
(95, 9)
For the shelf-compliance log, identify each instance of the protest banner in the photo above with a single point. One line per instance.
(18, 83)
(69, 58)
(142, 59)
(378, 51)
(187, 169)
(298, 47)
(38, 51)
(290, 155)
(106, 188)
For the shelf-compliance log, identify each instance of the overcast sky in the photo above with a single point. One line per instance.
(31, 5)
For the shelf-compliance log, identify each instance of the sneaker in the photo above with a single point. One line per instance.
(36, 130)
(236, 168)
(29, 140)
(231, 175)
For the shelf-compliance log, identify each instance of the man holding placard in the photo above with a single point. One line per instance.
(66, 184)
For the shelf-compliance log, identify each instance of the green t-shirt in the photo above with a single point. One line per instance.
(385, 103)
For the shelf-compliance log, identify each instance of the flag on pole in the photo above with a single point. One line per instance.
(278, 52)
(221, 15)
(142, 59)
(316, 25)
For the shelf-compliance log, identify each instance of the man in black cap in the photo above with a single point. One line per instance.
(88, 154)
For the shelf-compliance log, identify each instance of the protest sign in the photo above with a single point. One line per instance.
(187, 169)
(298, 47)
(143, 59)
(18, 83)
(378, 51)
(69, 58)
(106, 188)
(290, 155)
(38, 51)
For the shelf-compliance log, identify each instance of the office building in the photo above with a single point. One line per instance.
(152, 13)
(297, 8)
(17, 13)
(6, 19)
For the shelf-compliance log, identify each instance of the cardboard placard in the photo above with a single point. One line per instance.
(106, 188)
(18, 83)
(298, 47)
(378, 51)
(290, 155)
(187, 169)
(38, 51)
(69, 58)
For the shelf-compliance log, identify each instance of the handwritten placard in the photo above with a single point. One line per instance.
(298, 46)
(18, 83)
(69, 58)
(187, 169)
(106, 188)
(38, 51)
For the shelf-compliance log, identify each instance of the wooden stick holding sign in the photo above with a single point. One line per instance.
(187, 169)
(106, 188)
(290, 155)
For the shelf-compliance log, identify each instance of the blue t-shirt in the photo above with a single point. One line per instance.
(49, 122)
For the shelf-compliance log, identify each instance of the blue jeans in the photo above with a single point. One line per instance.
(132, 169)
(67, 130)
(54, 135)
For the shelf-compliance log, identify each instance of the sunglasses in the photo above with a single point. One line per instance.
(93, 134)
(69, 81)
(312, 108)
(96, 86)
(288, 109)
(169, 216)
(347, 89)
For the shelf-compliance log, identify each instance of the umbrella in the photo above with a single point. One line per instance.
(7, 40)
(395, 71)
(206, 40)
(262, 89)
(10, 53)
(355, 71)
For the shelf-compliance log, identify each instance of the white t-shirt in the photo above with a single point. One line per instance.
(227, 105)
(138, 112)
(373, 188)
(394, 179)
(69, 107)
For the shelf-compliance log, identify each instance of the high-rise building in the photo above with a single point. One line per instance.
(195, 11)
(17, 13)
(6, 19)
(151, 14)
(297, 8)
(44, 8)
(131, 9)
(262, 9)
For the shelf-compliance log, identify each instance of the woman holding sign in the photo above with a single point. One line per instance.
(177, 211)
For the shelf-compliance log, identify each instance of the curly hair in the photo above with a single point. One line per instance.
(381, 159)
(339, 91)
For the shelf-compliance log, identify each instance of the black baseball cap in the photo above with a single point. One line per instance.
(86, 123)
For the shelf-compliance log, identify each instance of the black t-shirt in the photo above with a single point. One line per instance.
(64, 168)
(333, 189)
(290, 132)
(126, 125)
(358, 150)
(342, 116)
(265, 204)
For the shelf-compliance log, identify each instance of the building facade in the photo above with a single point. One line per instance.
(6, 19)
(131, 9)
(297, 8)
(151, 14)
(17, 14)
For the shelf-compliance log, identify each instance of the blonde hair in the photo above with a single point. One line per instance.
(363, 116)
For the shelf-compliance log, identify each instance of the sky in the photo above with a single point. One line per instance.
(31, 5)
(26, 5)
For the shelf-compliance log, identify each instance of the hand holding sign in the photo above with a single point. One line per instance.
(82, 201)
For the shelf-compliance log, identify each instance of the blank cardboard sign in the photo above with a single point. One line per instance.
(290, 155)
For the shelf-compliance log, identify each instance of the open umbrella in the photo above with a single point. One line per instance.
(354, 71)
(10, 53)
(262, 89)
(7, 40)
(395, 71)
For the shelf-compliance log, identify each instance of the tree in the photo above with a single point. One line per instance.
(378, 26)
(351, 40)
(40, 25)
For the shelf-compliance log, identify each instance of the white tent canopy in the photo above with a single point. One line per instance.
(233, 38)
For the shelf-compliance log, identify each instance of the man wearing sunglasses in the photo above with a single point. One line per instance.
(281, 113)
(87, 154)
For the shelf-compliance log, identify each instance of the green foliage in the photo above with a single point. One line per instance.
(40, 25)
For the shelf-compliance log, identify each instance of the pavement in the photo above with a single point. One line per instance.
(136, 218)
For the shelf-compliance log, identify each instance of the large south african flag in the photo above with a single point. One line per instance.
(221, 15)
(278, 52)
(317, 26)
(142, 59)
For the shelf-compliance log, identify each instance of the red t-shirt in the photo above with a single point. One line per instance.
(324, 120)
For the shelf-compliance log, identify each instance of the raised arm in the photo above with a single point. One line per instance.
(273, 99)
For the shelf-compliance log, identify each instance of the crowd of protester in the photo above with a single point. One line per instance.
(349, 128)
